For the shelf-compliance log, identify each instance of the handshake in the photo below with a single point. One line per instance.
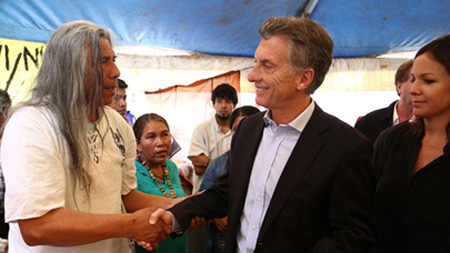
(152, 228)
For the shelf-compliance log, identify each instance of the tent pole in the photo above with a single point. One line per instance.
(309, 8)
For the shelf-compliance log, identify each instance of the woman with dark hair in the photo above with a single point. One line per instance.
(156, 174)
(413, 162)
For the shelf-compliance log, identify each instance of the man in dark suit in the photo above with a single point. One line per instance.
(398, 111)
(298, 179)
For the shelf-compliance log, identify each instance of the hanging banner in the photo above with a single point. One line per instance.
(194, 99)
(19, 62)
(184, 106)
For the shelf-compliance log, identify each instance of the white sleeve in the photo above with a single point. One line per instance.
(33, 165)
(128, 168)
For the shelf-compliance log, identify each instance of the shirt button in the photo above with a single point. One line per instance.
(253, 227)
(259, 198)
(267, 167)
(278, 138)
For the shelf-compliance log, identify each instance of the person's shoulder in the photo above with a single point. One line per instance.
(32, 115)
(203, 126)
(110, 112)
(395, 133)
(334, 122)
(204, 123)
(222, 159)
(171, 163)
(253, 119)
(375, 114)
(35, 111)
(172, 167)
(115, 118)
(341, 131)
(257, 116)
(139, 168)
(379, 113)
(382, 111)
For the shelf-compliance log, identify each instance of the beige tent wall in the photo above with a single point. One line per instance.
(352, 88)
(367, 82)
(152, 73)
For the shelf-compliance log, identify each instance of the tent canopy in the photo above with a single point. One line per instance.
(230, 28)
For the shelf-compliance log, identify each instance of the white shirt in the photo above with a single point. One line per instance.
(35, 163)
(273, 153)
(209, 140)
(395, 119)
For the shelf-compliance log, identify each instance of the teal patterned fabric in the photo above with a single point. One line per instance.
(146, 184)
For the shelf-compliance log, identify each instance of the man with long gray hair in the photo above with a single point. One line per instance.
(68, 161)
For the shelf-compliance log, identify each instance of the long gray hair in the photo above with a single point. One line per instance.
(70, 85)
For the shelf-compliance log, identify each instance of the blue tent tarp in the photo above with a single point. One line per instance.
(230, 28)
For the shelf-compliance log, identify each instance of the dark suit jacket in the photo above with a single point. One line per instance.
(376, 122)
(323, 200)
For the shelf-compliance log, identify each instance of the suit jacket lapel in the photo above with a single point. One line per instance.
(247, 151)
(388, 116)
(305, 151)
(243, 155)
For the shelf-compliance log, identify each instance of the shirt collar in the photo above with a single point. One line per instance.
(299, 123)
(217, 127)
(395, 119)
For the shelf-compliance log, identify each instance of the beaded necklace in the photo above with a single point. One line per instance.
(166, 175)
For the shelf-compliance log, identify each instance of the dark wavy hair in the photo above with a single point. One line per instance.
(142, 121)
(122, 84)
(245, 110)
(224, 90)
(5, 103)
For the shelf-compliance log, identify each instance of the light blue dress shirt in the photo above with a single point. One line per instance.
(276, 146)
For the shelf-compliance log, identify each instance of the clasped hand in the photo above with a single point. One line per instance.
(161, 216)
(150, 229)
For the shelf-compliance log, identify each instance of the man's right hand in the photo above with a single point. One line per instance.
(148, 233)
(221, 224)
(161, 214)
(200, 163)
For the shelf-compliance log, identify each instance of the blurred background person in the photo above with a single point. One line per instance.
(398, 111)
(119, 100)
(5, 104)
(216, 229)
(119, 103)
(210, 139)
(412, 161)
(155, 173)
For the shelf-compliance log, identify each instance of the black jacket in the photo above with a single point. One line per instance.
(376, 122)
(323, 200)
